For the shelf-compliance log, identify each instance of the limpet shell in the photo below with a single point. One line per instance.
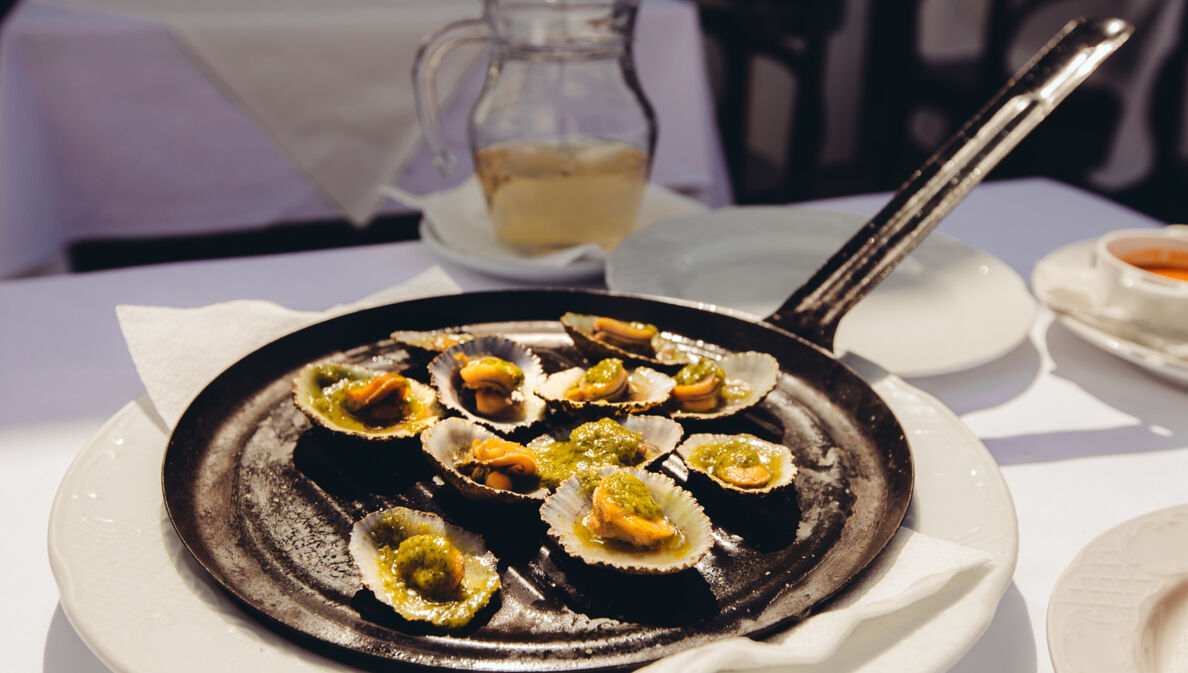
(433, 341)
(758, 372)
(665, 352)
(660, 436)
(443, 371)
(447, 442)
(563, 510)
(780, 461)
(480, 579)
(646, 388)
(309, 395)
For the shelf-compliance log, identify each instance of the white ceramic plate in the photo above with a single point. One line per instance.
(945, 308)
(1152, 360)
(457, 228)
(506, 266)
(140, 602)
(1121, 606)
(1067, 262)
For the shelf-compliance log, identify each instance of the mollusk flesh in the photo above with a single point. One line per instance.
(362, 402)
(480, 464)
(739, 463)
(630, 390)
(603, 337)
(665, 531)
(424, 568)
(744, 379)
(490, 380)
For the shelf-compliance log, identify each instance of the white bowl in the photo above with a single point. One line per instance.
(1126, 291)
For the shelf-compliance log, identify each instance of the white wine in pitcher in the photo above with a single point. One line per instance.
(544, 195)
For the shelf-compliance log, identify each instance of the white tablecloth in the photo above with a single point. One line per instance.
(1085, 441)
(118, 120)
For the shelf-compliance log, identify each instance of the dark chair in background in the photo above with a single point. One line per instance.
(908, 104)
(6, 7)
(792, 34)
(1161, 193)
(912, 105)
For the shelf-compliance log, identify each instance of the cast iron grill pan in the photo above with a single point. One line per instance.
(265, 502)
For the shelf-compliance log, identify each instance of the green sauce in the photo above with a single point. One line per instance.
(734, 390)
(429, 564)
(414, 597)
(591, 445)
(627, 491)
(699, 371)
(510, 370)
(605, 371)
(393, 528)
(742, 451)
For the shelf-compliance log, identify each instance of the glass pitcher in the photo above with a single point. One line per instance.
(562, 134)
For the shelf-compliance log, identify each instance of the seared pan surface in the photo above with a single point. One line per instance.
(265, 503)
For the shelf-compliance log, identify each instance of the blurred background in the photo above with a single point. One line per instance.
(826, 98)
(813, 99)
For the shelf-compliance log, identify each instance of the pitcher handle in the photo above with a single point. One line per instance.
(424, 73)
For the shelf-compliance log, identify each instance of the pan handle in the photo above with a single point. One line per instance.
(815, 309)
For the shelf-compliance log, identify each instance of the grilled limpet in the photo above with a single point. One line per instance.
(739, 463)
(490, 380)
(424, 568)
(709, 389)
(604, 337)
(609, 385)
(633, 441)
(365, 403)
(629, 520)
(480, 464)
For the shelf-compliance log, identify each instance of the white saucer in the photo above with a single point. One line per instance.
(506, 266)
(1077, 257)
(456, 227)
(1152, 360)
(946, 308)
(142, 604)
(1121, 606)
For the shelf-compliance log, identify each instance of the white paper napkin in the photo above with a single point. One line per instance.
(912, 567)
(178, 351)
(459, 218)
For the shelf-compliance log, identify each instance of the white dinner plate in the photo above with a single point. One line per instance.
(1121, 606)
(141, 603)
(1064, 263)
(945, 308)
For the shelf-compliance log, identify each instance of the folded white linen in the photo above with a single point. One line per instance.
(178, 351)
(329, 82)
(459, 218)
(912, 567)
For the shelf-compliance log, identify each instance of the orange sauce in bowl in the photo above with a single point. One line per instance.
(1160, 261)
(1168, 271)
